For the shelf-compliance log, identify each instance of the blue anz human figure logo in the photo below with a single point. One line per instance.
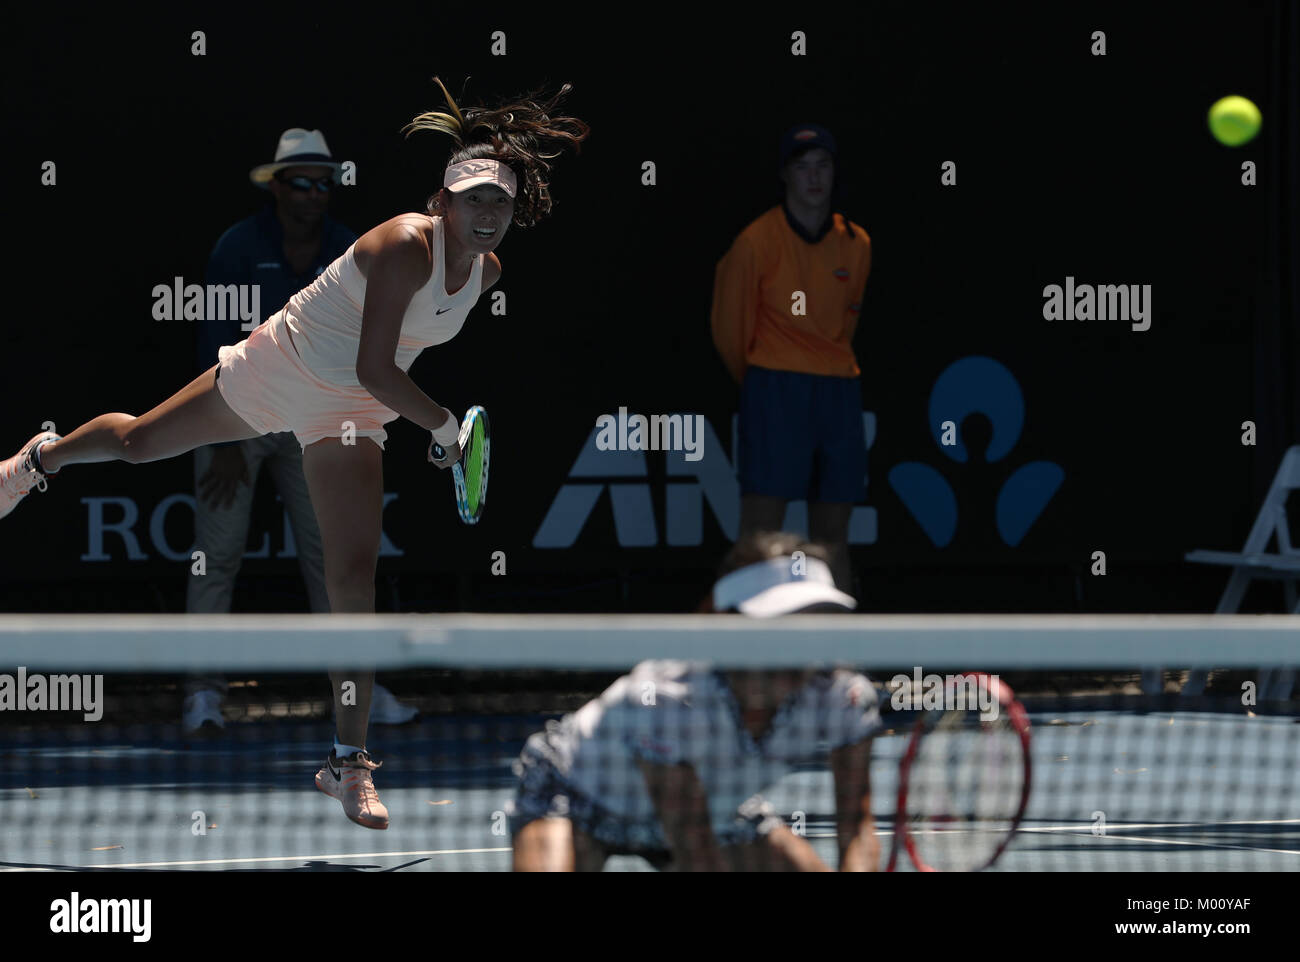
(976, 385)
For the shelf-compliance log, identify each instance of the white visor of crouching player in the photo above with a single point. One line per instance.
(779, 586)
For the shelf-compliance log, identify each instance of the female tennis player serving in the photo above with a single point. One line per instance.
(331, 366)
(669, 762)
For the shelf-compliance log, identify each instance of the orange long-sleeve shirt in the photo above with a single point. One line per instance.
(753, 315)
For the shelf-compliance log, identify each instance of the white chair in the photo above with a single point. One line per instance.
(1255, 561)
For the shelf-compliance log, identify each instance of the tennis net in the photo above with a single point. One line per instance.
(97, 773)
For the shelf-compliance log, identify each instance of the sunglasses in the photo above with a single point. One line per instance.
(304, 184)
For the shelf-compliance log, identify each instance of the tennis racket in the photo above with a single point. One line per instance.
(963, 780)
(470, 473)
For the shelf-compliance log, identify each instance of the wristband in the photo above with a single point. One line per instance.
(448, 434)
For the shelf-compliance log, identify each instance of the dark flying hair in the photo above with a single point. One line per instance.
(524, 135)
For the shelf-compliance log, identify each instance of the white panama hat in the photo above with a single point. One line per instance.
(297, 148)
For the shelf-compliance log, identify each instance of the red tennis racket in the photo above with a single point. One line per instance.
(964, 779)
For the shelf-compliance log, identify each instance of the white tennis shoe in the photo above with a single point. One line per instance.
(19, 474)
(350, 781)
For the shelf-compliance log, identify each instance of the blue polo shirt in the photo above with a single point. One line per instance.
(252, 252)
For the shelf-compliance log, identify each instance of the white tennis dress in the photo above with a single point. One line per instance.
(324, 318)
(298, 371)
(584, 767)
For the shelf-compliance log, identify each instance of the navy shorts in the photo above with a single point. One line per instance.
(801, 437)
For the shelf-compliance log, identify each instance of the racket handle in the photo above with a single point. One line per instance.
(439, 452)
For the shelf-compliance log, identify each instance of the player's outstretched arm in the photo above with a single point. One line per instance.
(854, 827)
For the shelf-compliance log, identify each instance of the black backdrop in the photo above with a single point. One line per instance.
(1068, 164)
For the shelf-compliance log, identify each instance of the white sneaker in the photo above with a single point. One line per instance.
(351, 781)
(19, 474)
(385, 709)
(202, 708)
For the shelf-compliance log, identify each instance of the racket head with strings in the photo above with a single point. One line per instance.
(470, 473)
(964, 781)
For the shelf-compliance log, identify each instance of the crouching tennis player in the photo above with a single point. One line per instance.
(669, 762)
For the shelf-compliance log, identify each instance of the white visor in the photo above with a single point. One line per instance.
(473, 173)
(779, 586)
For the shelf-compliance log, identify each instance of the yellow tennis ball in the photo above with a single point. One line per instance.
(1234, 121)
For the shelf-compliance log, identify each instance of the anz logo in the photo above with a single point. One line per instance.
(972, 385)
(711, 479)
(976, 385)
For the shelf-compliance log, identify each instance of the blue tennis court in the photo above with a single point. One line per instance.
(1177, 791)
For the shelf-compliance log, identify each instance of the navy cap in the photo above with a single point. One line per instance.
(803, 136)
